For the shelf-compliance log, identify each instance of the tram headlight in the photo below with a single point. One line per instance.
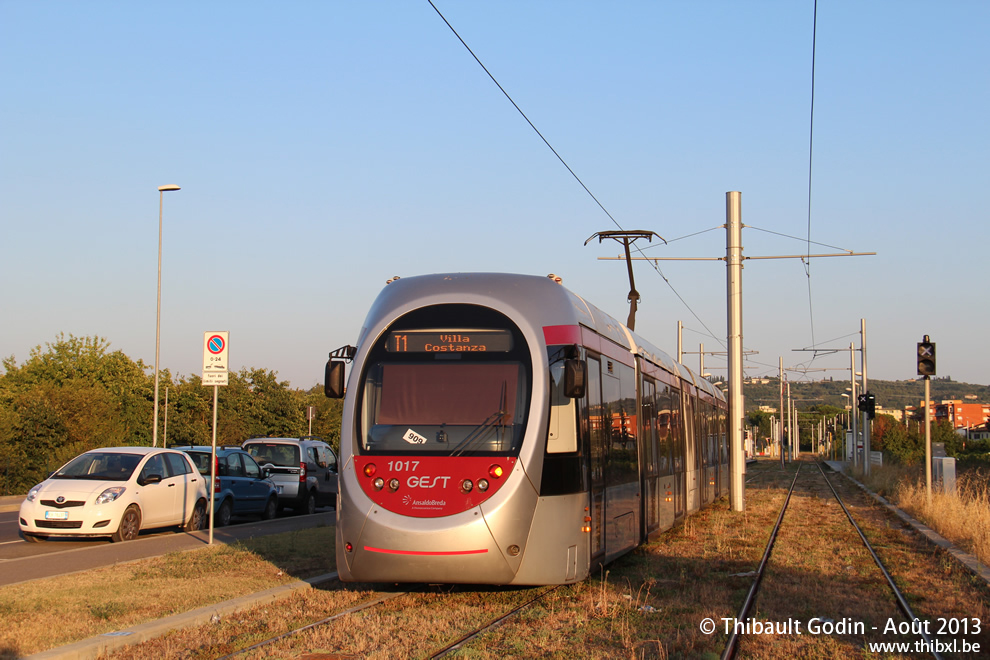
(369, 470)
(467, 486)
(495, 471)
(482, 485)
(378, 483)
(393, 484)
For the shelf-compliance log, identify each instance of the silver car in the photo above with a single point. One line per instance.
(304, 470)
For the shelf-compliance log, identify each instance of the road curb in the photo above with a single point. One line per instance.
(96, 646)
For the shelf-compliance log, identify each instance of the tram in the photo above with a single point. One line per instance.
(499, 429)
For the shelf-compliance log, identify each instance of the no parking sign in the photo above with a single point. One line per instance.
(215, 358)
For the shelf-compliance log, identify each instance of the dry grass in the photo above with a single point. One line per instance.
(963, 518)
(43, 614)
(648, 604)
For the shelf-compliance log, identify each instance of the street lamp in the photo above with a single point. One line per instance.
(158, 317)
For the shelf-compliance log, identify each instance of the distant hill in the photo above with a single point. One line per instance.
(890, 394)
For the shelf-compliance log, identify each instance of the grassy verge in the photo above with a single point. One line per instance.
(648, 604)
(963, 517)
(43, 614)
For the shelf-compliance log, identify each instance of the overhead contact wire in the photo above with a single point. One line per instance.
(562, 161)
(519, 110)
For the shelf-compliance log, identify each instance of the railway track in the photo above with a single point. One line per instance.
(743, 623)
(441, 648)
(648, 604)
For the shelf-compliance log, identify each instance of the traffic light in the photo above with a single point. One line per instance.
(871, 405)
(861, 402)
(926, 357)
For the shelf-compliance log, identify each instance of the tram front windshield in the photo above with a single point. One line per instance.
(421, 400)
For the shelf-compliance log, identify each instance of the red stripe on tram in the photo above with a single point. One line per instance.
(426, 554)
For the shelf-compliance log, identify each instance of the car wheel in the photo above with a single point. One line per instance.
(130, 525)
(224, 514)
(271, 508)
(31, 538)
(309, 507)
(197, 520)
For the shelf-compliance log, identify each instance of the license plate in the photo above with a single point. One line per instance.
(56, 515)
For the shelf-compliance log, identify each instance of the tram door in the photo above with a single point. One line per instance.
(648, 464)
(677, 453)
(599, 428)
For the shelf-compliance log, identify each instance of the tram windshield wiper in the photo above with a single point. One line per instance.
(482, 430)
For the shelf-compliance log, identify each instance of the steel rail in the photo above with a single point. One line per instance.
(450, 648)
(730, 647)
(901, 602)
(315, 624)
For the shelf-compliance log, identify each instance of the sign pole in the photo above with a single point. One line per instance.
(215, 346)
(213, 463)
(928, 439)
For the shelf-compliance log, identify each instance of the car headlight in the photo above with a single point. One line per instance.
(33, 493)
(110, 494)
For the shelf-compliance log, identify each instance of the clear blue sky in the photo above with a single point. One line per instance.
(323, 147)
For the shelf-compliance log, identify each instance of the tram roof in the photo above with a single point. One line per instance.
(541, 300)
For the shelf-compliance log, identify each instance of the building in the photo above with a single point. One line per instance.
(957, 413)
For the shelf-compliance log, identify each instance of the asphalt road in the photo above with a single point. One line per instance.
(8, 528)
(21, 561)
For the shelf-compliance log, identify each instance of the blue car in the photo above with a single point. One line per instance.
(243, 488)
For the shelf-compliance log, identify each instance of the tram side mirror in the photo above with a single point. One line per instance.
(333, 384)
(575, 378)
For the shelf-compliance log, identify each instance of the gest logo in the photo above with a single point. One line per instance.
(427, 482)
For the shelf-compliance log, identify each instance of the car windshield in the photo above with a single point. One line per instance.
(101, 466)
(275, 453)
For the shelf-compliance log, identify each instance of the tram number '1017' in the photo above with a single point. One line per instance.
(403, 466)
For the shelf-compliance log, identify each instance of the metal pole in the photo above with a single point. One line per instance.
(158, 306)
(866, 389)
(158, 317)
(780, 426)
(701, 360)
(797, 425)
(852, 404)
(680, 345)
(928, 440)
(733, 261)
(213, 463)
(790, 422)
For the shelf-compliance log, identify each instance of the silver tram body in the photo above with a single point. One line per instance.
(462, 460)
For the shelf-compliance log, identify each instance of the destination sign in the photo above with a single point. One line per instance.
(449, 341)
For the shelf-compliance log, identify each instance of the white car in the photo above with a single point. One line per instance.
(116, 492)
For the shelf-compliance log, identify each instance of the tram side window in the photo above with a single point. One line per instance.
(676, 431)
(564, 468)
(666, 427)
(596, 421)
(649, 419)
(619, 398)
(691, 460)
(562, 436)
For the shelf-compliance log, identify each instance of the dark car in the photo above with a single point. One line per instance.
(243, 488)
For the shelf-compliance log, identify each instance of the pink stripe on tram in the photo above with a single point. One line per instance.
(426, 554)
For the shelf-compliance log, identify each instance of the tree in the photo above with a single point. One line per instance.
(76, 394)
(73, 396)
